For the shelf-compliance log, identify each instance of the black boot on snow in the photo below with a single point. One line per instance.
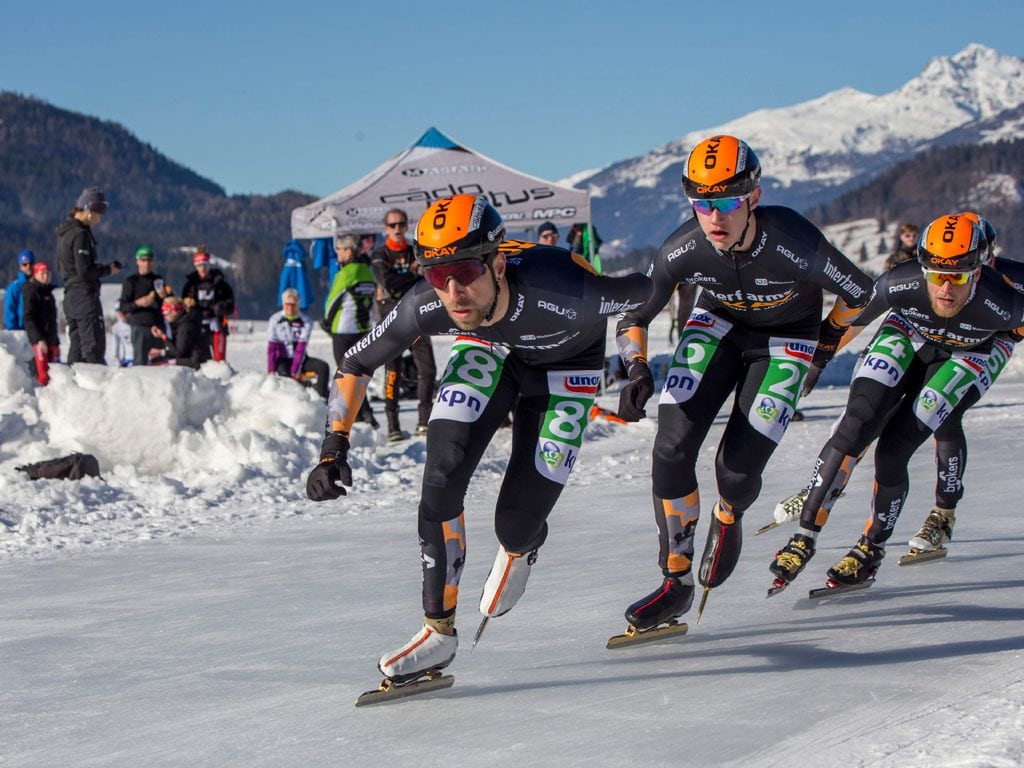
(722, 550)
(673, 598)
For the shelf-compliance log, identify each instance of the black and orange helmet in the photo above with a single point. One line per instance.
(458, 228)
(988, 232)
(952, 243)
(721, 166)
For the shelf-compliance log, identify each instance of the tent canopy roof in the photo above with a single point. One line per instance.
(432, 168)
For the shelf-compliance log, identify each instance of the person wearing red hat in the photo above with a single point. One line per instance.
(206, 286)
(41, 321)
(181, 341)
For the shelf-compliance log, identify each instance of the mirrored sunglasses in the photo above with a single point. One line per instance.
(463, 272)
(723, 206)
(953, 278)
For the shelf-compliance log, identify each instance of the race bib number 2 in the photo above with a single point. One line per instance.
(776, 398)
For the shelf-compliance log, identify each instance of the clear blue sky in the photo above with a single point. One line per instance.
(310, 95)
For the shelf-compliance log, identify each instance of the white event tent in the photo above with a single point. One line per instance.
(432, 168)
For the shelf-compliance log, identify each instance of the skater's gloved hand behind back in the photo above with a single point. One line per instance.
(328, 479)
(637, 392)
(829, 336)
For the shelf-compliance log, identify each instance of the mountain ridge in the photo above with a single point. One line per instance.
(814, 151)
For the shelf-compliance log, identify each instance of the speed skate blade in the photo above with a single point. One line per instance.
(839, 589)
(923, 556)
(634, 636)
(389, 690)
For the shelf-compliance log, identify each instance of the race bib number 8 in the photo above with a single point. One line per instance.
(469, 380)
(561, 434)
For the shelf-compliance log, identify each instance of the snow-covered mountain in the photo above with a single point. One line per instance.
(813, 151)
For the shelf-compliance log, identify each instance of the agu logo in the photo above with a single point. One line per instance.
(767, 409)
(584, 385)
(551, 454)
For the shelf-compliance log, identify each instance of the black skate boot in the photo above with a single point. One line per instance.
(792, 558)
(859, 565)
(722, 550)
(672, 599)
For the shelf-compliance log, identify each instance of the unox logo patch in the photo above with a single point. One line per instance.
(801, 351)
(767, 409)
(929, 400)
(976, 364)
(583, 385)
(701, 321)
(551, 454)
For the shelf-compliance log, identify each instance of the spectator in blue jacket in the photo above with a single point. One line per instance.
(14, 303)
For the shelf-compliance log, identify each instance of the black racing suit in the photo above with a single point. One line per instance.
(548, 350)
(754, 331)
(919, 371)
(950, 441)
(76, 260)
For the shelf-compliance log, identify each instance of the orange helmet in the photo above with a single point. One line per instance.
(988, 232)
(458, 228)
(952, 243)
(721, 166)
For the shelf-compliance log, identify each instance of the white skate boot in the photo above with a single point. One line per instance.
(788, 510)
(428, 650)
(506, 582)
(936, 531)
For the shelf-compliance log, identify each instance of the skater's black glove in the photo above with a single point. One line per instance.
(637, 392)
(829, 336)
(328, 478)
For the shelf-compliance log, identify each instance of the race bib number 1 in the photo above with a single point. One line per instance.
(946, 388)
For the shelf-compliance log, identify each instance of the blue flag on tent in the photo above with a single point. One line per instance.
(293, 274)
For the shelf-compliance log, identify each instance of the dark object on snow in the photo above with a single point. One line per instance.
(72, 467)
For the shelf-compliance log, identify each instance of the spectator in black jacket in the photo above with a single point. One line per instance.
(396, 271)
(182, 341)
(76, 260)
(207, 287)
(41, 320)
(141, 295)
